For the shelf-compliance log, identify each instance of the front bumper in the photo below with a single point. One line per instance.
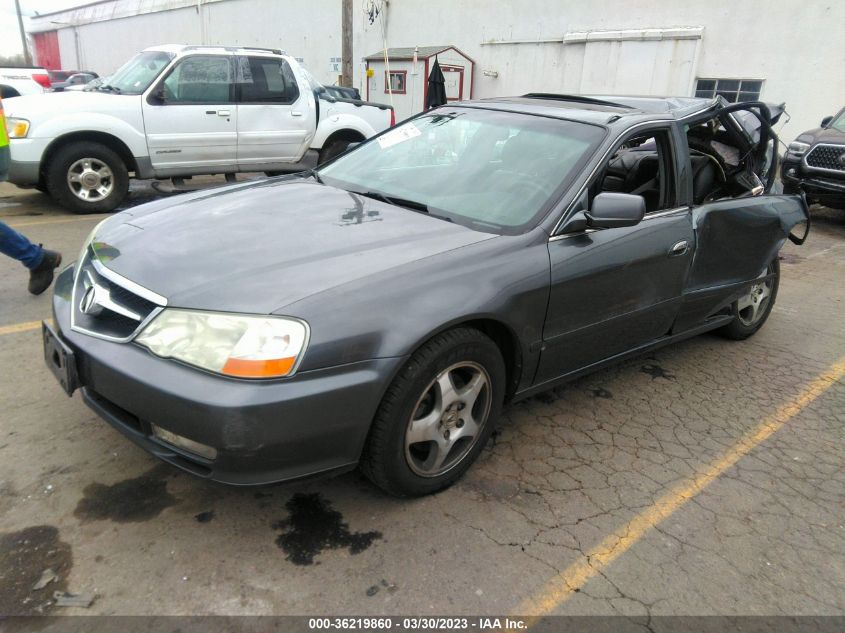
(25, 163)
(263, 431)
(824, 187)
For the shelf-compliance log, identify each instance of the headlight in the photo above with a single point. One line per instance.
(17, 128)
(228, 344)
(797, 149)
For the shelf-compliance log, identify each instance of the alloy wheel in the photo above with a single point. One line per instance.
(752, 306)
(448, 419)
(90, 179)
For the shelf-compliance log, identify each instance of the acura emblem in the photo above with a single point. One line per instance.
(842, 159)
(98, 298)
(89, 303)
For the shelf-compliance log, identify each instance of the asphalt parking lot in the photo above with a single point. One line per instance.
(707, 478)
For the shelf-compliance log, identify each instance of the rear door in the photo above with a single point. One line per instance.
(741, 227)
(613, 290)
(191, 117)
(276, 120)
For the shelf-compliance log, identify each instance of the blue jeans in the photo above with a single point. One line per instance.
(18, 247)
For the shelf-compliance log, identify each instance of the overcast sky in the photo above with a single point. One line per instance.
(10, 41)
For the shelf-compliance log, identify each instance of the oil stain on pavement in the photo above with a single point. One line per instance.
(656, 371)
(204, 517)
(313, 526)
(131, 500)
(24, 556)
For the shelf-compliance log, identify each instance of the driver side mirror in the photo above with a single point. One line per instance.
(826, 121)
(614, 210)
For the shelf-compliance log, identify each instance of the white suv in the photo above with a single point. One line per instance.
(174, 111)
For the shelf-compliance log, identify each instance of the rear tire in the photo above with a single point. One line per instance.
(335, 148)
(87, 177)
(437, 414)
(752, 310)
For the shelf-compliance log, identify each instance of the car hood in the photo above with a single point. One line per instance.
(822, 135)
(259, 247)
(51, 104)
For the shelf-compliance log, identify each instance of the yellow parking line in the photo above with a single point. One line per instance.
(561, 587)
(59, 220)
(20, 327)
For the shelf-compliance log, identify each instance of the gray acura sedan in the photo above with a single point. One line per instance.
(380, 310)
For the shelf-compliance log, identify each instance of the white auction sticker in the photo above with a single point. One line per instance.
(399, 135)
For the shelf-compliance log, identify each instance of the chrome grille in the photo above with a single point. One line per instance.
(827, 157)
(103, 305)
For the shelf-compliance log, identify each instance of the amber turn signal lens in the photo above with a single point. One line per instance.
(258, 368)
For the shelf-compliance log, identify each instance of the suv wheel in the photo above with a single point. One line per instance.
(437, 415)
(335, 148)
(87, 177)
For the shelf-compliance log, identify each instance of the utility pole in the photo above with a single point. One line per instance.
(27, 58)
(346, 50)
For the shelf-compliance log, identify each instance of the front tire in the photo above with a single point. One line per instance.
(437, 414)
(752, 309)
(87, 177)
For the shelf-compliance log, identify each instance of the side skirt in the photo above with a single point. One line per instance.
(710, 324)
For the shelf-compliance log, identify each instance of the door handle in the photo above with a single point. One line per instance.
(295, 113)
(679, 248)
(223, 113)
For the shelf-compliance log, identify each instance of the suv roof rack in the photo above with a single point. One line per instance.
(232, 49)
(575, 98)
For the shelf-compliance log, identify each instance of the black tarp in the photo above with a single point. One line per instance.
(436, 95)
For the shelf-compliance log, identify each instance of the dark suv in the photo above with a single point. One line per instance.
(815, 162)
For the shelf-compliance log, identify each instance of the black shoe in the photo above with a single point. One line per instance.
(41, 276)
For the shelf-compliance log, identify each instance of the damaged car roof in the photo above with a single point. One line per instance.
(600, 108)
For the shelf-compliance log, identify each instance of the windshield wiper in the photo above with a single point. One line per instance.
(109, 88)
(395, 201)
(313, 173)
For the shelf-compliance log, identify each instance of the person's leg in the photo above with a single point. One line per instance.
(18, 247)
(40, 261)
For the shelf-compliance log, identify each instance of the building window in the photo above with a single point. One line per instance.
(734, 90)
(396, 81)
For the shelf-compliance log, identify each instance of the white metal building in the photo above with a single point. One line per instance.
(777, 50)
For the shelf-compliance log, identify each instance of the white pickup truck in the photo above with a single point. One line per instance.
(175, 111)
(24, 80)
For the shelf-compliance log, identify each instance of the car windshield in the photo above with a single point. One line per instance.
(137, 74)
(494, 171)
(838, 123)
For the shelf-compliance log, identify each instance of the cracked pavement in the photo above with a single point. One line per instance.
(565, 470)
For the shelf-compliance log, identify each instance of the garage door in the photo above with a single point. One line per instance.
(655, 62)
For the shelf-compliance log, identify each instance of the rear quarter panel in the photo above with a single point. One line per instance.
(365, 119)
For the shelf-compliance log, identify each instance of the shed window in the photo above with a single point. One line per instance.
(734, 90)
(395, 80)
